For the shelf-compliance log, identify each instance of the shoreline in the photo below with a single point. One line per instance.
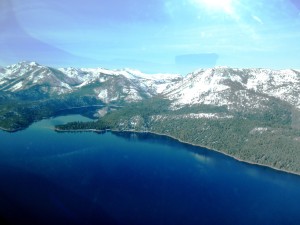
(10, 130)
(184, 142)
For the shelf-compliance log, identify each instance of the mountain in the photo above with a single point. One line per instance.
(238, 89)
(24, 78)
(33, 80)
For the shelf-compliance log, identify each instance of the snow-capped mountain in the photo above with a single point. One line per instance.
(108, 85)
(127, 84)
(26, 75)
(238, 89)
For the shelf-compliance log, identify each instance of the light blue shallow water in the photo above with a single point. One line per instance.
(126, 178)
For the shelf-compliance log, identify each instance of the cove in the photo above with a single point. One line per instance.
(131, 178)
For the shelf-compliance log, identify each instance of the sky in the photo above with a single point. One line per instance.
(176, 36)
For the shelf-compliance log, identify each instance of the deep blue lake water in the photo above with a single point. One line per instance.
(126, 178)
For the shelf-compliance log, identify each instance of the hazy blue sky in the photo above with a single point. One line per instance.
(150, 35)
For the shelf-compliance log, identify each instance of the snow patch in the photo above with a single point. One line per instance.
(103, 95)
(215, 116)
(259, 130)
(16, 86)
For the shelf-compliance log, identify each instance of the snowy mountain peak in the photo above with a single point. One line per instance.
(126, 72)
(26, 64)
(234, 87)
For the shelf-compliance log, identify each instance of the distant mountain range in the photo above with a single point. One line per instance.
(125, 85)
(250, 114)
(238, 89)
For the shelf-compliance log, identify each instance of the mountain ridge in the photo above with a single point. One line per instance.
(203, 86)
(25, 75)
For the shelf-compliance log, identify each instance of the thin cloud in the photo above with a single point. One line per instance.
(257, 19)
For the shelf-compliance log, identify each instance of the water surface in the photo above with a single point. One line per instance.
(127, 178)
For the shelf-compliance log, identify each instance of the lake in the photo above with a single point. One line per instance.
(129, 178)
